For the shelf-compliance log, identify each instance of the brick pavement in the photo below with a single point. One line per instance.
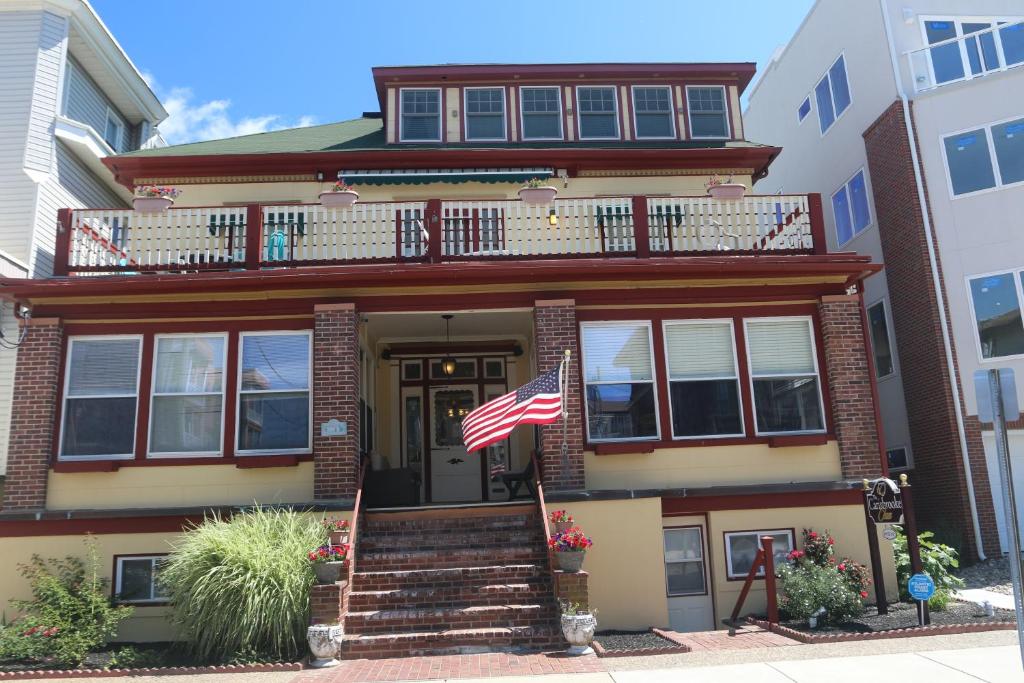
(487, 665)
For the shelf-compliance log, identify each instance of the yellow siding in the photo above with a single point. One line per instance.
(513, 109)
(391, 125)
(452, 117)
(737, 115)
(567, 105)
(625, 105)
(681, 123)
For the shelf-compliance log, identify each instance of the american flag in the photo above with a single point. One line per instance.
(536, 403)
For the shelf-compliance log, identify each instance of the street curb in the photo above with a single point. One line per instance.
(150, 671)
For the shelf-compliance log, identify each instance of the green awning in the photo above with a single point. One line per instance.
(443, 175)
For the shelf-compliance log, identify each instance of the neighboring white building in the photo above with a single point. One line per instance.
(69, 96)
(833, 99)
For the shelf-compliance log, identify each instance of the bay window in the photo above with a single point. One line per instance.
(274, 398)
(703, 382)
(187, 409)
(598, 113)
(618, 373)
(421, 115)
(784, 375)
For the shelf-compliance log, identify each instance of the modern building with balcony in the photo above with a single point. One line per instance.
(718, 388)
(908, 117)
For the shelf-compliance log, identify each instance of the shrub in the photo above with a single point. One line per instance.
(818, 548)
(240, 586)
(856, 575)
(69, 615)
(936, 559)
(807, 587)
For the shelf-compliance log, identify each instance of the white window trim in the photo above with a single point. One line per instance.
(672, 114)
(867, 195)
(817, 375)
(689, 113)
(401, 115)
(150, 453)
(703, 560)
(111, 116)
(579, 114)
(736, 376)
(958, 21)
(1015, 274)
(504, 113)
(653, 381)
(119, 573)
(759, 533)
(810, 110)
(831, 93)
(993, 160)
(561, 113)
(910, 458)
(884, 303)
(238, 396)
(65, 397)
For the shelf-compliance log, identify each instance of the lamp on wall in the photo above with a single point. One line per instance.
(552, 217)
(448, 363)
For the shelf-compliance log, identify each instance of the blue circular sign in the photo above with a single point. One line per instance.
(921, 586)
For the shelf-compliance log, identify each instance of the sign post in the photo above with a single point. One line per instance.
(914, 548)
(883, 504)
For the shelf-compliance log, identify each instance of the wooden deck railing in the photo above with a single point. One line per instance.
(258, 236)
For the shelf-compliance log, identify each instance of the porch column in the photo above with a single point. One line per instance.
(851, 386)
(33, 415)
(555, 331)
(335, 396)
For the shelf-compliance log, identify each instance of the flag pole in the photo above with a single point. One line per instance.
(565, 409)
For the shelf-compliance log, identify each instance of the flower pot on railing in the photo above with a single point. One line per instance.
(153, 198)
(570, 560)
(339, 196)
(328, 572)
(568, 548)
(328, 562)
(540, 195)
(727, 191)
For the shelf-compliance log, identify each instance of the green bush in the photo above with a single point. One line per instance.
(805, 587)
(69, 615)
(936, 559)
(239, 587)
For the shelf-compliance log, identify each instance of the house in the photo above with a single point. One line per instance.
(930, 187)
(717, 390)
(71, 98)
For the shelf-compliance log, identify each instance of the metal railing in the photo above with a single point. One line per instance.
(962, 58)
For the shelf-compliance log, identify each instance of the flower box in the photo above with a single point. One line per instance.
(152, 204)
(337, 199)
(538, 196)
(727, 191)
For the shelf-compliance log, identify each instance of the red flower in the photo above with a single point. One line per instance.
(831, 541)
(813, 534)
(842, 567)
(863, 594)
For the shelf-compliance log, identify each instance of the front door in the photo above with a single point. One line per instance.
(690, 607)
(454, 473)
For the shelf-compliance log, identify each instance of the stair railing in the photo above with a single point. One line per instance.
(765, 558)
(542, 508)
(356, 511)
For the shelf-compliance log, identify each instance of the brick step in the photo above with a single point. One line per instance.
(407, 560)
(455, 641)
(424, 540)
(462, 595)
(373, 526)
(447, 578)
(444, 619)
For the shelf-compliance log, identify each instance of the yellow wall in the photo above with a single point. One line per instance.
(179, 486)
(713, 465)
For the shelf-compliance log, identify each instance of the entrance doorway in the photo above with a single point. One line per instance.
(687, 580)
(454, 473)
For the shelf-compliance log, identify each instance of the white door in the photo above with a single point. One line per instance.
(454, 473)
(690, 607)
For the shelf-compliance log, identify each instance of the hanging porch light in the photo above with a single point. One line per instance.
(448, 363)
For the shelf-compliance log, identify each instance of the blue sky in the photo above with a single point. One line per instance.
(226, 67)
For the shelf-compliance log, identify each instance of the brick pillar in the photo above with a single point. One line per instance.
(849, 381)
(33, 415)
(554, 332)
(335, 395)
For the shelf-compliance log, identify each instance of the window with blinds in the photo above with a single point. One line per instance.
(598, 113)
(485, 113)
(703, 381)
(784, 375)
(421, 115)
(652, 112)
(541, 110)
(618, 371)
(188, 395)
(274, 397)
(100, 397)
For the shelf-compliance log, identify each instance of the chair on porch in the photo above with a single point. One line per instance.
(514, 480)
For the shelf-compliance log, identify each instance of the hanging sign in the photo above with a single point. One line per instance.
(884, 502)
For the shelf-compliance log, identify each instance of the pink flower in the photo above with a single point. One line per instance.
(863, 594)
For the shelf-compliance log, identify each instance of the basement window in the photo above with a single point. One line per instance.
(136, 579)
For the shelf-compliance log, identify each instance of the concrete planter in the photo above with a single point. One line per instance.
(538, 196)
(328, 572)
(579, 629)
(570, 561)
(324, 642)
(152, 204)
(727, 191)
(337, 200)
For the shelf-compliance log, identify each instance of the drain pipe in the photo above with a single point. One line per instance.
(936, 281)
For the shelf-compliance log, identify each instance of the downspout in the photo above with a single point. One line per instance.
(936, 282)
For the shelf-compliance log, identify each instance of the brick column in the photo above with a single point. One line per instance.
(554, 332)
(335, 395)
(849, 380)
(33, 415)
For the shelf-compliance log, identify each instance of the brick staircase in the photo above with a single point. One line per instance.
(450, 581)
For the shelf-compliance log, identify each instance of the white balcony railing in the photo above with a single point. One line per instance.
(974, 55)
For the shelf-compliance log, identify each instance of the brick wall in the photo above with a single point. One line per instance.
(33, 415)
(335, 395)
(941, 486)
(849, 381)
(327, 603)
(555, 331)
(571, 587)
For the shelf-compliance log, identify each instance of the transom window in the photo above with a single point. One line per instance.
(703, 380)
(741, 550)
(996, 300)
(421, 115)
(652, 112)
(187, 409)
(832, 94)
(986, 157)
(784, 375)
(706, 107)
(684, 561)
(803, 110)
(136, 579)
(274, 401)
(850, 206)
(485, 113)
(597, 111)
(618, 372)
(541, 113)
(881, 343)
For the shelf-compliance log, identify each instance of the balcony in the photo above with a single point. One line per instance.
(966, 57)
(255, 236)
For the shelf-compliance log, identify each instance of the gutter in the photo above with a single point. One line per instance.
(936, 282)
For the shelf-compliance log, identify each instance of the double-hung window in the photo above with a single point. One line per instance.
(598, 112)
(706, 108)
(274, 400)
(832, 94)
(850, 206)
(101, 395)
(703, 382)
(618, 372)
(136, 579)
(541, 113)
(652, 112)
(187, 409)
(985, 157)
(421, 115)
(996, 300)
(485, 113)
(784, 375)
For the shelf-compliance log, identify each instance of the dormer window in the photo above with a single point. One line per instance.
(421, 115)
(485, 114)
(598, 113)
(652, 113)
(707, 108)
(541, 113)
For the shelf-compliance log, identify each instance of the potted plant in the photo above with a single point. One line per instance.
(569, 547)
(560, 521)
(725, 189)
(324, 641)
(327, 562)
(340, 195)
(578, 626)
(154, 198)
(337, 530)
(536, 193)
